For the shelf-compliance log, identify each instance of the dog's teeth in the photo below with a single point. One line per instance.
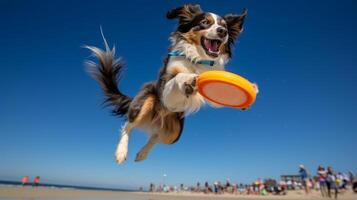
(212, 45)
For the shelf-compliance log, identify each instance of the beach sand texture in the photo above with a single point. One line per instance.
(29, 193)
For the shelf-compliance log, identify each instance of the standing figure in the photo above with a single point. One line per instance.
(36, 181)
(25, 180)
(304, 178)
(321, 178)
(331, 182)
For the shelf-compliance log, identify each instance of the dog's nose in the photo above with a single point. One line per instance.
(222, 32)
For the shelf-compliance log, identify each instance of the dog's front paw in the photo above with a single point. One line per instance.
(190, 87)
(188, 84)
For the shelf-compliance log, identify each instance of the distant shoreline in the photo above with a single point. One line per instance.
(50, 185)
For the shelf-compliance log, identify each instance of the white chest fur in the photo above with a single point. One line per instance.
(174, 97)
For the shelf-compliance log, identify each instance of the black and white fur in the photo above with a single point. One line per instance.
(160, 106)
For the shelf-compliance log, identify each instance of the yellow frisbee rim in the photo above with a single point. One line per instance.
(230, 79)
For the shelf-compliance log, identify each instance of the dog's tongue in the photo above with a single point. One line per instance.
(211, 45)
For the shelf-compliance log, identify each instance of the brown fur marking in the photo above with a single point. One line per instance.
(194, 37)
(174, 70)
(210, 19)
(223, 49)
(223, 23)
(171, 128)
(146, 109)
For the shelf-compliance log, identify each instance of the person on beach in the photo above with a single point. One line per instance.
(220, 187)
(289, 184)
(283, 186)
(207, 188)
(36, 181)
(198, 187)
(235, 189)
(25, 180)
(353, 181)
(352, 177)
(249, 189)
(321, 178)
(242, 188)
(215, 187)
(331, 182)
(344, 180)
(304, 175)
(182, 188)
(228, 186)
(152, 187)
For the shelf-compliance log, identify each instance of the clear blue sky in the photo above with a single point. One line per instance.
(301, 53)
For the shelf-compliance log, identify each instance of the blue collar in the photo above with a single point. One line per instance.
(180, 54)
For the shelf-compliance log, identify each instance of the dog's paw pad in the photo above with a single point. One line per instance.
(188, 89)
(194, 81)
(191, 86)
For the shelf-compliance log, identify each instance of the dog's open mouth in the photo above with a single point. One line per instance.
(211, 46)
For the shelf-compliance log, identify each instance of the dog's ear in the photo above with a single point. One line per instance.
(235, 24)
(185, 14)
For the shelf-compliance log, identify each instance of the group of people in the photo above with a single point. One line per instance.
(26, 181)
(258, 187)
(327, 181)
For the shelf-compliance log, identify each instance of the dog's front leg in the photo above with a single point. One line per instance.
(178, 91)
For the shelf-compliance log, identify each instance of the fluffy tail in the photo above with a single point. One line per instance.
(107, 73)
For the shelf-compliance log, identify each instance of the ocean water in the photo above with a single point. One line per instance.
(16, 184)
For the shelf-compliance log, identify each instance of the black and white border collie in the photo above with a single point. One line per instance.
(202, 42)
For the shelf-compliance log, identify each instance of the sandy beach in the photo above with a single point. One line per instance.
(24, 193)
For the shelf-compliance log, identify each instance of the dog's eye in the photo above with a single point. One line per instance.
(204, 22)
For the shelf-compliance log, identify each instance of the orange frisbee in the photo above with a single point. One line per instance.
(226, 89)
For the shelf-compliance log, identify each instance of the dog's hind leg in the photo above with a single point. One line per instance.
(122, 148)
(139, 111)
(143, 153)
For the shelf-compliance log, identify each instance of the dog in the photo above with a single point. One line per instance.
(202, 41)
